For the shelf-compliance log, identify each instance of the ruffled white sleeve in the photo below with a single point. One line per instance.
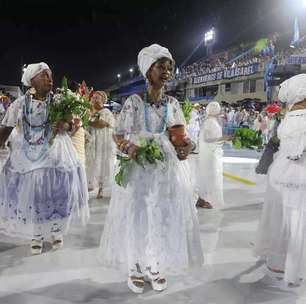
(13, 113)
(294, 147)
(175, 114)
(126, 123)
(292, 134)
(108, 116)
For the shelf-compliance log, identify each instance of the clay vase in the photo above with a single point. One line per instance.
(177, 136)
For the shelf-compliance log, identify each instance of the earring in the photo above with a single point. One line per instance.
(32, 91)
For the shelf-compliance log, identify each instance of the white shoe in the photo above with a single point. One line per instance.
(158, 282)
(274, 282)
(57, 242)
(36, 247)
(131, 284)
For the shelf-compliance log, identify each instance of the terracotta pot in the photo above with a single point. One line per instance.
(177, 137)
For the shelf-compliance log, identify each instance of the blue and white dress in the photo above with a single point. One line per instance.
(42, 187)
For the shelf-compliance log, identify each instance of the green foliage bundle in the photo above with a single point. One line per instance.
(247, 138)
(67, 105)
(147, 153)
(187, 109)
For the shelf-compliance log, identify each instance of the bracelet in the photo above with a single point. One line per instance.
(121, 146)
(120, 143)
(127, 148)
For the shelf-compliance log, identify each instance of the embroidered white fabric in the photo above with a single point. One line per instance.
(40, 198)
(281, 233)
(102, 152)
(288, 168)
(194, 126)
(153, 222)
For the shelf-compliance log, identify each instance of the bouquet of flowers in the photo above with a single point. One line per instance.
(247, 138)
(147, 153)
(85, 92)
(67, 106)
(187, 109)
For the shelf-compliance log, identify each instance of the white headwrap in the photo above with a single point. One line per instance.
(31, 71)
(149, 55)
(293, 90)
(213, 109)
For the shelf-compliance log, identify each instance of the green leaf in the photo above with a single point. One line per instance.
(148, 152)
(237, 144)
(187, 109)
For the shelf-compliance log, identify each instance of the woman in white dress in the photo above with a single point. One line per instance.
(102, 145)
(194, 125)
(152, 227)
(281, 233)
(210, 170)
(41, 186)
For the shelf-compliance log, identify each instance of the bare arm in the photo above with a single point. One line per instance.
(223, 138)
(125, 146)
(100, 124)
(4, 134)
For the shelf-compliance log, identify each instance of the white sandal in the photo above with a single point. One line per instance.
(157, 282)
(57, 242)
(132, 284)
(36, 247)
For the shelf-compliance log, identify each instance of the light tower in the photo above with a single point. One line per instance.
(209, 40)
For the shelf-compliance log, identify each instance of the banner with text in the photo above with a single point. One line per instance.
(227, 73)
(296, 60)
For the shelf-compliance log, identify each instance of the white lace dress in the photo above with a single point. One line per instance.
(210, 169)
(282, 230)
(194, 127)
(103, 153)
(42, 188)
(152, 222)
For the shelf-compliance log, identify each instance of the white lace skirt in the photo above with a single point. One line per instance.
(153, 222)
(104, 161)
(281, 239)
(42, 202)
(210, 174)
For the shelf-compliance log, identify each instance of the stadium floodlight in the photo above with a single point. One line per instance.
(209, 37)
(131, 70)
(118, 76)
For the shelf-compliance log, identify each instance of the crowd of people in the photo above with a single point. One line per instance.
(152, 228)
(207, 66)
(219, 63)
(232, 118)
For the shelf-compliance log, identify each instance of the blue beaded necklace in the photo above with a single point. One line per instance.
(43, 130)
(164, 119)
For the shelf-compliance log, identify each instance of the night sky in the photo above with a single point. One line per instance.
(96, 40)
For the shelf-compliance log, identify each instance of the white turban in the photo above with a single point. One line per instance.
(293, 90)
(149, 55)
(31, 71)
(213, 109)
